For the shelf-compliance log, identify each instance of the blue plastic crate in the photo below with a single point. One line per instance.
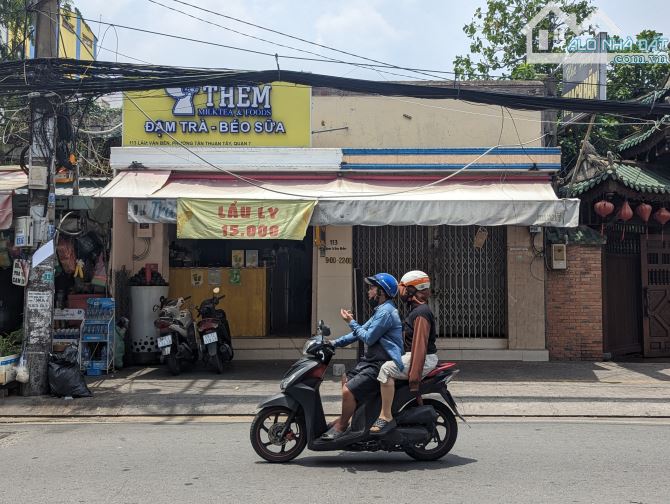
(102, 303)
(93, 372)
(94, 337)
(97, 364)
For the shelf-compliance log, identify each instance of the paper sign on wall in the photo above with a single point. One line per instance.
(20, 272)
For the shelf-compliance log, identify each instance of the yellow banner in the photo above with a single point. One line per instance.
(243, 220)
(270, 115)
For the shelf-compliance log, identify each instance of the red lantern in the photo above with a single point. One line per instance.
(662, 216)
(625, 214)
(643, 211)
(603, 208)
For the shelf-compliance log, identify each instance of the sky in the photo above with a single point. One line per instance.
(416, 33)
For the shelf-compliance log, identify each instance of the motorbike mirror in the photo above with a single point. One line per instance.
(216, 290)
(156, 307)
(325, 330)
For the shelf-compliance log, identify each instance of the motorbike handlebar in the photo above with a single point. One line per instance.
(187, 298)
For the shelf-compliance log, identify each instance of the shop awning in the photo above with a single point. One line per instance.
(135, 184)
(392, 201)
(11, 180)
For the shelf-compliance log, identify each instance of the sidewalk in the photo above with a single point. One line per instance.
(488, 388)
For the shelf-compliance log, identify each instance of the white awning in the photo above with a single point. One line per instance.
(135, 184)
(400, 202)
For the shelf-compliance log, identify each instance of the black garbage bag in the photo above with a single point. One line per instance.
(65, 377)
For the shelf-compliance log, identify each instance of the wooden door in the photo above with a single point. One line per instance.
(655, 258)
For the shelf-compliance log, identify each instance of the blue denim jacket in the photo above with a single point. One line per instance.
(384, 326)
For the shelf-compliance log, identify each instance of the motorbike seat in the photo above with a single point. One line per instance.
(441, 367)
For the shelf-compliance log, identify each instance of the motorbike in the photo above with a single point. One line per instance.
(425, 427)
(176, 340)
(215, 332)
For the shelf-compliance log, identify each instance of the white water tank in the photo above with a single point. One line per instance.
(142, 331)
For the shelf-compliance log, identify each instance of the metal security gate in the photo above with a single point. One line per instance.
(469, 284)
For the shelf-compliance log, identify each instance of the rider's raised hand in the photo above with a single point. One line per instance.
(346, 315)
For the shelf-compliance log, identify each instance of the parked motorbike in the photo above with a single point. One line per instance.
(425, 428)
(217, 345)
(176, 340)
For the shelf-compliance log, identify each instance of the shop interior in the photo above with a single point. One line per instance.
(268, 283)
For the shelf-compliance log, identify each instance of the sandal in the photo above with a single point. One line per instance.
(381, 425)
(332, 434)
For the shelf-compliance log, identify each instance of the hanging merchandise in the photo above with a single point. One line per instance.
(625, 214)
(603, 208)
(662, 216)
(79, 269)
(5, 260)
(100, 274)
(643, 211)
(66, 255)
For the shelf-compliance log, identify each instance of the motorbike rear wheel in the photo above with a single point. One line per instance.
(173, 364)
(444, 436)
(266, 430)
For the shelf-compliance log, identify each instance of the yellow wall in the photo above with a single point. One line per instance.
(245, 304)
(68, 41)
(389, 122)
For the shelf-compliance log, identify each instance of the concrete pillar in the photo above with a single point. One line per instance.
(525, 291)
(333, 279)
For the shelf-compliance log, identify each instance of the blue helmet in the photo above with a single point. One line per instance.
(386, 282)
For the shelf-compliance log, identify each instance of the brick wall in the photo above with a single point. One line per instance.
(575, 306)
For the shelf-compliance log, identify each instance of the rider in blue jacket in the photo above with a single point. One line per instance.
(382, 335)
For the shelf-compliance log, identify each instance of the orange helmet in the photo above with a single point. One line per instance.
(417, 279)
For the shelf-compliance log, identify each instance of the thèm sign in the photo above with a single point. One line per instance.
(266, 115)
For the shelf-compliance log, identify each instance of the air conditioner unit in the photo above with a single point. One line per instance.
(559, 256)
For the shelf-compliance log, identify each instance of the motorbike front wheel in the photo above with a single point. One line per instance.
(443, 438)
(173, 364)
(266, 432)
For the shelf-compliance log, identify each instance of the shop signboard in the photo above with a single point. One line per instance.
(276, 114)
(152, 211)
(243, 220)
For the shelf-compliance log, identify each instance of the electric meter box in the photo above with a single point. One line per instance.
(23, 232)
(144, 230)
(559, 256)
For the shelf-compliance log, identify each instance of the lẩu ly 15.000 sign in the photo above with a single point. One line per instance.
(269, 115)
(252, 219)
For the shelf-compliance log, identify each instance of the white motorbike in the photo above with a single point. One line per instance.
(176, 340)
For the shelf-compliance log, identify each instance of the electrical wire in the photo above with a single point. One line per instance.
(373, 62)
(105, 77)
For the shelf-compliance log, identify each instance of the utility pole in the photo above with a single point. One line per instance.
(39, 293)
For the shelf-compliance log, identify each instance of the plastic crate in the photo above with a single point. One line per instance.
(102, 303)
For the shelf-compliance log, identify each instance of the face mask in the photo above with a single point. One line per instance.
(374, 302)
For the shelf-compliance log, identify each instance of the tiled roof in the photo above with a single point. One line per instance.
(630, 176)
(640, 136)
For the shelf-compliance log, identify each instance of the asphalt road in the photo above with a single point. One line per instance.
(515, 461)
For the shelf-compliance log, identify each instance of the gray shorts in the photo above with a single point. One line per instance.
(390, 370)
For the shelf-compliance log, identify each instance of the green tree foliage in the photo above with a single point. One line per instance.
(498, 50)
